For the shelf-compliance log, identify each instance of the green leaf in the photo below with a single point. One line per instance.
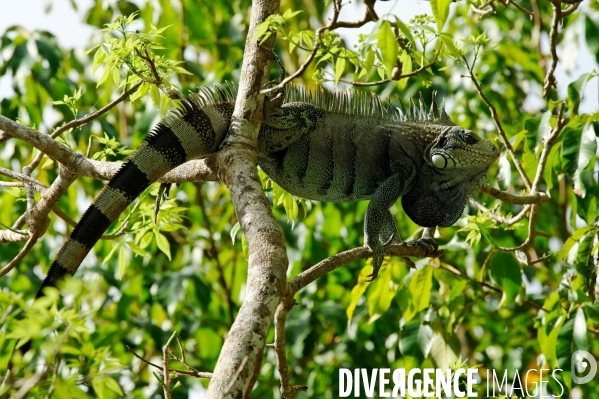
(339, 68)
(106, 76)
(585, 262)
(416, 336)
(538, 128)
(573, 239)
(404, 29)
(381, 294)
(440, 11)
(99, 387)
(290, 14)
(442, 350)
(578, 147)
(447, 40)
(506, 272)
(261, 29)
(580, 331)
(110, 254)
(122, 262)
(357, 292)
(576, 92)
(388, 45)
(369, 62)
(547, 338)
(136, 250)
(98, 58)
(291, 208)
(419, 289)
(548, 173)
(236, 229)
(244, 247)
(163, 244)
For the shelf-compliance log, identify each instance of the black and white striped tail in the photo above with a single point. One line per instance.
(187, 133)
(161, 152)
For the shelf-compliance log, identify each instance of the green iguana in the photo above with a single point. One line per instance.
(318, 145)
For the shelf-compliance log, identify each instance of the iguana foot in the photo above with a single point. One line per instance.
(378, 254)
(428, 244)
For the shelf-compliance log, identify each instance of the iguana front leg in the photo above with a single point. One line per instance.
(377, 215)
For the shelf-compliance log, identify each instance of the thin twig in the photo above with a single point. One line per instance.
(456, 272)
(197, 374)
(502, 219)
(550, 81)
(288, 391)
(333, 24)
(498, 124)
(394, 78)
(157, 80)
(39, 186)
(24, 251)
(166, 375)
(573, 7)
(94, 115)
(519, 7)
(482, 11)
(532, 232)
(547, 146)
(537, 198)
(11, 184)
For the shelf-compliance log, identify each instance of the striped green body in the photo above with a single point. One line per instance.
(347, 159)
(319, 145)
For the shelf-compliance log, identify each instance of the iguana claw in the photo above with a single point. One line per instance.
(378, 254)
(428, 244)
(377, 261)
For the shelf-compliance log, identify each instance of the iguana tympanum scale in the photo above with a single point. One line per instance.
(318, 145)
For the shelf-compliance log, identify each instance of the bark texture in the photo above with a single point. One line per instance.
(235, 165)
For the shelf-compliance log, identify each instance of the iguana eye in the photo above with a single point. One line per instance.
(469, 138)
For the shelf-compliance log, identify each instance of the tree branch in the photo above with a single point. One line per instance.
(266, 281)
(288, 391)
(550, 81)
(536, 198)
(196, 170)
(343, 258)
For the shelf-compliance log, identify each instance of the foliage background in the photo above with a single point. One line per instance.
(191, 277)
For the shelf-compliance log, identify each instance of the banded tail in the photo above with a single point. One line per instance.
(193, 131)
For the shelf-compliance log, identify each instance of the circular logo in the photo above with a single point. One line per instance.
(583, 362)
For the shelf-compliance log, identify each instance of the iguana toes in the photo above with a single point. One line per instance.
(319, 145)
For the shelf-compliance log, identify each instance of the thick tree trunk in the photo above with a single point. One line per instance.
(268, 259)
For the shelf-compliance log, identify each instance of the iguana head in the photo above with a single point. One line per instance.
(458, 150)
(458, 164)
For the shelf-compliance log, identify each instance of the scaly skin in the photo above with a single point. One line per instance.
(318, 145)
